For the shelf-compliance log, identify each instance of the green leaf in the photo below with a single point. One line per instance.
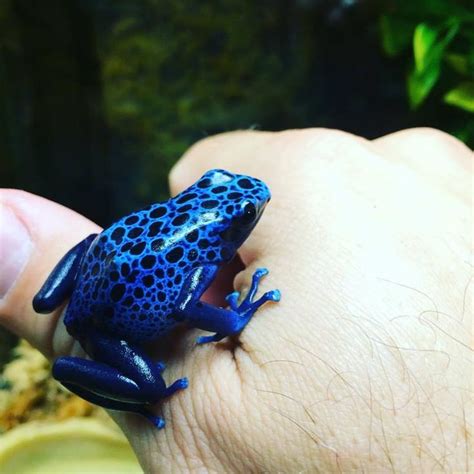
(423, 41)
(421, 83)
(396, 34)
(459, 62)
(429, 44)
(461, 96)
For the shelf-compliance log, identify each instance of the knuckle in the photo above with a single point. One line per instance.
(208, 145)
(210, 152)
(14, 194)
(431, 137)
(316, 142)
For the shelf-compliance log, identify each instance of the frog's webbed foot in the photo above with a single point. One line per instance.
(120, 377)
(226, 322)
(248, 305)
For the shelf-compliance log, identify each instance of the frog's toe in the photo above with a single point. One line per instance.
(233, 299)
(214, 338)
(256, 277)
(248, 304)
(259, 273)
(156, 420)
(160, 366)
(177, 385)
(181, 384)
(273, 295)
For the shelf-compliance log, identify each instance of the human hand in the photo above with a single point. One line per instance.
(363, 365)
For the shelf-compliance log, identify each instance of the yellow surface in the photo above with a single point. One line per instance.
(74, 446)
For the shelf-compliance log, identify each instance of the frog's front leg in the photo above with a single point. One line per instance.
(120, 377)
(224, 322)
(60, 283)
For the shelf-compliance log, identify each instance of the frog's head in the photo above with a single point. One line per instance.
(232, 204)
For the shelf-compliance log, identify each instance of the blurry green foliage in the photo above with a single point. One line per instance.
(461, 96)
(163, 93)
(441, 35)
(99, 98)
(429, 46)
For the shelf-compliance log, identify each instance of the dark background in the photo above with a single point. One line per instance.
(99, 98)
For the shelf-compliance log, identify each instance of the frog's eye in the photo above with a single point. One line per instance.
(249, 213)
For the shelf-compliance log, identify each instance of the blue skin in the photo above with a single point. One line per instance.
(144, 275)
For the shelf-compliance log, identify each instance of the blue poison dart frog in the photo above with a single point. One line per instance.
(141, 277)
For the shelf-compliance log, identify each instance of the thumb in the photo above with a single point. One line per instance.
(34, 234)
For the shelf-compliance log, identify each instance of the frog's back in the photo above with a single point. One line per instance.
(133, 273)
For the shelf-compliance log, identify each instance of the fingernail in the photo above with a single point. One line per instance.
(15, 248)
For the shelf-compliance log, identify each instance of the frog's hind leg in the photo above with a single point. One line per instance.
(115, 404)
(120, 377)
(60, 283)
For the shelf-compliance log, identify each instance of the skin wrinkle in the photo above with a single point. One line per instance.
(204, 446)
(199, 404)
(184, 439)
(466, 439)
(428, 400)
(464, 298)
(176, 439)
(241, 358)
(421, 321)
(329, 366)
(371, 416)
(391, 408)
(394, 350)
(466, 346)
(257, 411)
(254, 419)
(317, 440)
(386, 448)
(194, 446)
(391, 320)
(247, 453)
(304, 430)
(432, 407)
(435, 311)
(216, 442)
